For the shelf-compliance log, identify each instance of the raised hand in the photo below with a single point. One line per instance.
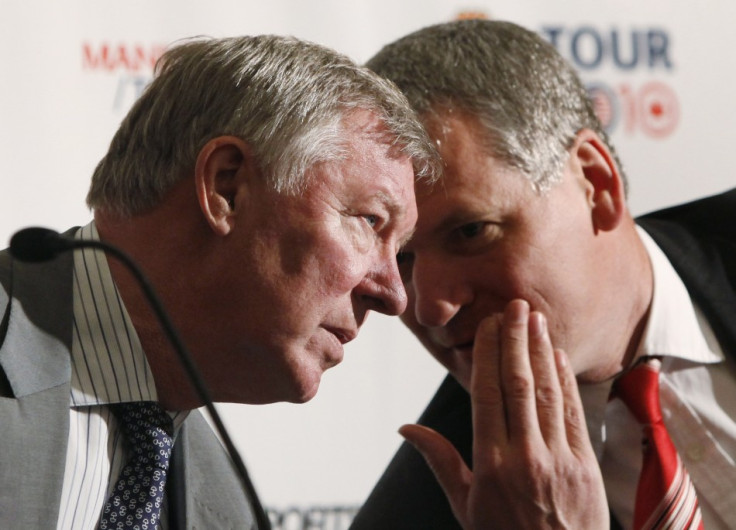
(533, 465)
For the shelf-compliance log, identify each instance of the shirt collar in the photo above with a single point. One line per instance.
(108, 363)
(675, 328)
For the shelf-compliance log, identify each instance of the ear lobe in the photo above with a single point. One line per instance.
(604, 184)
(222, 169)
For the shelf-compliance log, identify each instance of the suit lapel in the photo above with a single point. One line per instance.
(34, 355)
(214, 495)
(35, 350)
(176, 494)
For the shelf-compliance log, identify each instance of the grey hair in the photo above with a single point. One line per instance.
(529, 101)
(286, 98)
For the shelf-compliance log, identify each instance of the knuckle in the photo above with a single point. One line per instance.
(519, 386)
(515, 336)
(488, 396)
(546, 395)
(536, 465)
(572, 414)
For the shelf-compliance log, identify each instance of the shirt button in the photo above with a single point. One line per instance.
(695, 452)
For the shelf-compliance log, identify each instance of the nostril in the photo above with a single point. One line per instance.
(389, 301)
(433, 312)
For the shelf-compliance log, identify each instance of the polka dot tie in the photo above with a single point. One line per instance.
(137, 498)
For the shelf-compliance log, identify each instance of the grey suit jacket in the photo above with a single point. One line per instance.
(35, 373)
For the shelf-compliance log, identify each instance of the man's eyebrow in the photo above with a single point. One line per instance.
(392, 205)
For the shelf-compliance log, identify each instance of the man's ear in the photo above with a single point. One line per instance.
(603, 182)
(221, 175)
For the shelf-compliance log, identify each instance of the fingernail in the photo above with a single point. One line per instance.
(537, 324)
(561, 358)
(518, 312)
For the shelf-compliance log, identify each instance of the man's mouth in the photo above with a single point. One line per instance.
(342, 334)
(464, 349)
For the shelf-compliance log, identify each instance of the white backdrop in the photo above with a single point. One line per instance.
(663, 72)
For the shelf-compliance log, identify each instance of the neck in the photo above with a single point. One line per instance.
(625, 311)
(159, 243)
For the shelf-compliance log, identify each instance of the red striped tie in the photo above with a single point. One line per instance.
(665, 496)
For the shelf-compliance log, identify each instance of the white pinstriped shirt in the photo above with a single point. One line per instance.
(108, 366)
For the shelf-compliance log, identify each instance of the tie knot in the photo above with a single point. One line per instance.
(138, 495)
(147, 428)
(639, 390)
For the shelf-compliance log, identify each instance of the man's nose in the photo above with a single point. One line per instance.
(439, 290)
(382, 289)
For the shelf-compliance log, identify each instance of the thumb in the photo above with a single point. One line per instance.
(445, 462)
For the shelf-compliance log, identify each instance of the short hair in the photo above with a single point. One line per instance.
(285, 97)
(530, 103)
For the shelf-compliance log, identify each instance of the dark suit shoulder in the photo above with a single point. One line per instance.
(714, 215)
(699, 239)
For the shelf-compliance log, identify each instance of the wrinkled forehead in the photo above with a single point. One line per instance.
(368, 124)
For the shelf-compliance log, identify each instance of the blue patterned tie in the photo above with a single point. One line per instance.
(137, 498)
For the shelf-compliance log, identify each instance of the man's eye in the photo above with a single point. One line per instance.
(372, 220)
(471, 229)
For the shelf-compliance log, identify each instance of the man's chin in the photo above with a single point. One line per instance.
(294, 388)
(305, 396)
(306, 387)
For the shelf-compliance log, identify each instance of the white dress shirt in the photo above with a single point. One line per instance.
(698, 398)
(108, 366)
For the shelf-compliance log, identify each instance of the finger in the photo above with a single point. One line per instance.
(574, 417)
(489, 414)
(445, 462)
(517, 380)
(547, 389)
